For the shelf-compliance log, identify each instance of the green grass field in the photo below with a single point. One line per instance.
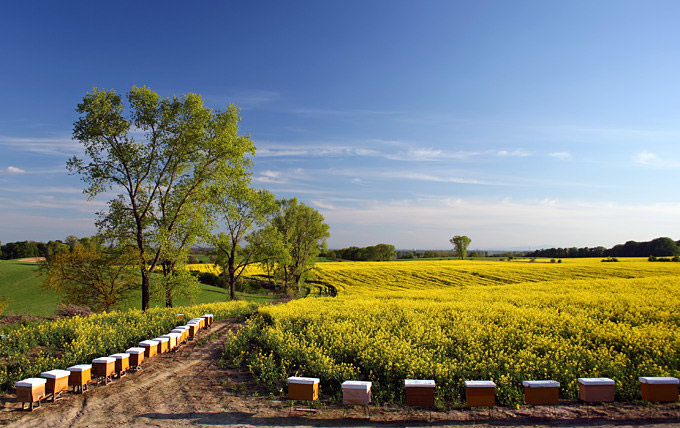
(21, 282)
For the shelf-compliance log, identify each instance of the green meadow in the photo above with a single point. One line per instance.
(22, 283)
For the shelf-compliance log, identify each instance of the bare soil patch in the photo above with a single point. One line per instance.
(32, 259)
(187, 387)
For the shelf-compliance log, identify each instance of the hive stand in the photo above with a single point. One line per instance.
(57, 381)
(79, 377)
(30, 390)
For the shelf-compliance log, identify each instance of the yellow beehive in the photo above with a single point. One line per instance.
(57, 381)
(150, 347)
(163, 344)
(303, 388)
(136, 357)
(122, 363)
(104, 368)
(30, 390)
(79, 376)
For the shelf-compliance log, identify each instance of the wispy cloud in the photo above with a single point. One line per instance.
(503, 222)
(14, 170)
(647, 158)
(313, 150)
(519, 153)
(45, 146)
(561, 155)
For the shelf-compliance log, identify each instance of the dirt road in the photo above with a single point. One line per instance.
(188, 388)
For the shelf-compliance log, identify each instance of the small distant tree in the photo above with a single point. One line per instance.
(460, 244)
(93, 275)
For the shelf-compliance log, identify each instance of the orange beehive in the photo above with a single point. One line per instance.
(480, 393)
(57, 381)
(104, 367)
(30, 390)
(419, 392)
(183, 333)
(596, 389)
(173, 340)
(303, 388)
(163, 344)
(136, 357)
(541, 392)
(79, 376)
(199, 321)
(122, 363)
(150, 347)
(356, 392)
(193, 329)
(208, 319)
(659, 388)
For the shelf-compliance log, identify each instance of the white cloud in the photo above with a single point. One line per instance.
(647, 158)
(561, 155)
(14, 170)
(269, 176)
(520, 153)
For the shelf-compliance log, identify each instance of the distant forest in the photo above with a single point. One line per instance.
(659, 247)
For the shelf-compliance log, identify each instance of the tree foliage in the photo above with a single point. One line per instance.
(242, 210)
(460, 244)
(163, 156)
(302, 231)
(94, 275)
(377, 253)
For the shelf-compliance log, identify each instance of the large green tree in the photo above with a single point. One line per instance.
(163, 156)
(242, 210)
(304, 234)
(460, 244)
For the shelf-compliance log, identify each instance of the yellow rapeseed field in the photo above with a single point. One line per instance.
(453, 321)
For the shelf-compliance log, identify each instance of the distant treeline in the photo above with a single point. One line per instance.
(377, 253)
(26, 249)
(658, 247)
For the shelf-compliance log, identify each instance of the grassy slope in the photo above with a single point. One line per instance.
(22, 283)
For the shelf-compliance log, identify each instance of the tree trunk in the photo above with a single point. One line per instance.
(146, 297)
(232, 281)
(168, 297)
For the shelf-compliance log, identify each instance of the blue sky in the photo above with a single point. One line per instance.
(520, 124)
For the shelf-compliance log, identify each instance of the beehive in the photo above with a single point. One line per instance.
(136, 357)
(596, 389)
(150, 347)
(57, 381)
(30, 390)
(193, 329)
(122, 363)
(200, 321)
(541, 392)
(303, 388)
(356, 392)
(79, 376)
(419, 392)
(173, 339)
(659, 388)
(183, 333)
(480, 393)
(163, 344)
(208, 319)
(104, 367)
